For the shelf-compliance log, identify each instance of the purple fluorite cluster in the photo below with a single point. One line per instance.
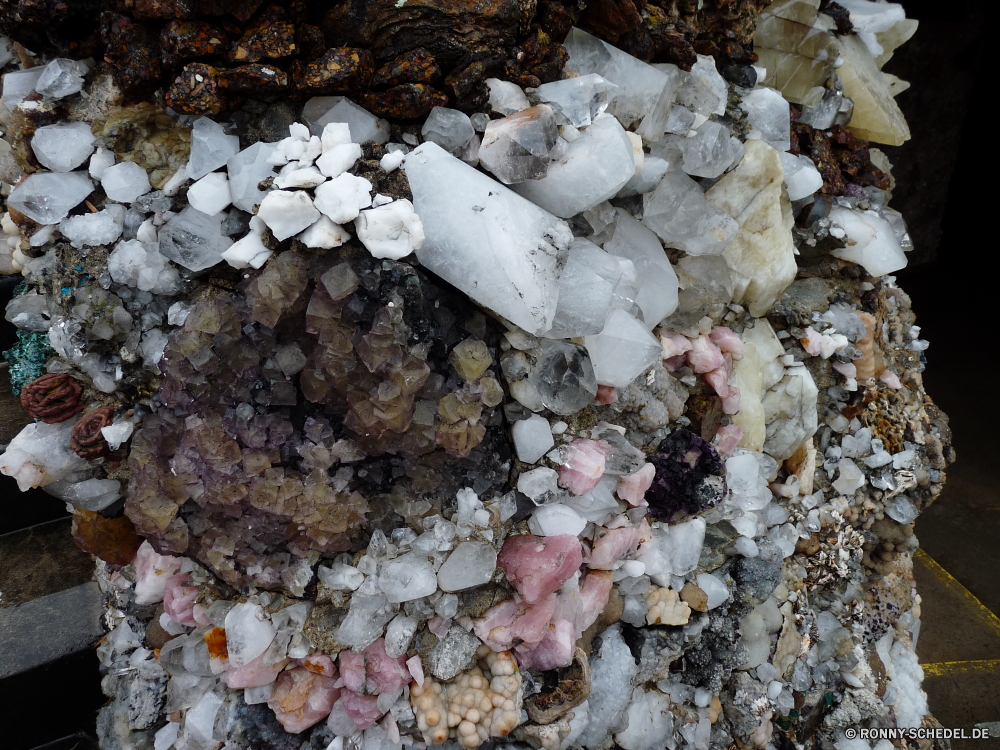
(690, 477)
(256, 481)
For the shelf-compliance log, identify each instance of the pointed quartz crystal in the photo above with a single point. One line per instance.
(482, 238)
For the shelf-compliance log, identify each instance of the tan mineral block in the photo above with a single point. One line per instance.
(876, 117)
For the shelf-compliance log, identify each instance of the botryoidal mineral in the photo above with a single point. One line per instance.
(593, 419)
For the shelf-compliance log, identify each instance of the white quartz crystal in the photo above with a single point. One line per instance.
(517, 147)
(211, 147)
(644, 94)
(870, 241)
(247, 170)
(587, 286)
(768, 115)
(576, 101)
(407, 577)
(100, 161)
(247, 252)
(704, 90)
(18, 84)
(470, 564)
(101, 228)
(449, 128)
(532, 438)
(709, 152)
(140, 265)
(40, 454)
(678, 212)
(790, 413)
(802, 179)
(653, 170)
(47, 197)
(63, 147)
(555, 519)
(364, 126)
(343, 197)
(193, 239)
(392, 230)
(125, 182)
(324, 234)
(338, 159)
(484, 239)
(248, 633)
(287, 212)
(591, 169)
(61, 78)
(306, 177)
(210, 194)
(506, 97)
(623, 350)
(656, 280)
(714, 589)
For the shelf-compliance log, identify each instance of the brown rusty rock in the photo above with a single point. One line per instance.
(156, 636)
(52, 398)
(265, 41)
(198, 90)
(256, 78)
(554, 19)
(415, 66)
(86, 439)
(538, 58)
(407, 101)
(339, 70)
(186, 9)
(609, 19)
(133, 55)
(310, 40)
(450, 30)
(112, 539)
(571, 689)
(181, 41)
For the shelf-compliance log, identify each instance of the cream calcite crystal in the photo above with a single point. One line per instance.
(747, 377)
(876, 116)
(790, 413)
(761, 257)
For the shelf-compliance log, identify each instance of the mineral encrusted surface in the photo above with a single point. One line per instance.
(432, 373)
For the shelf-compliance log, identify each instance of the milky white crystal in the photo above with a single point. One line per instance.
(591, 169)
(391, 230)
(63, 147)
(622, 350)
(287, 212)
(481, 237)
(363, 125)
(211, 147)
(210, 194)
(47, 197)
(125, 182)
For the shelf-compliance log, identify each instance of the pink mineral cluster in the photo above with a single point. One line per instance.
(710, 356)
(584, 466)
(537, 567)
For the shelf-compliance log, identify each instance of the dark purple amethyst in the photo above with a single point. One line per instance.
(689, 477)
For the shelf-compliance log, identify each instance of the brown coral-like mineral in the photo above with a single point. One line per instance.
(52, 398)
(86, 438)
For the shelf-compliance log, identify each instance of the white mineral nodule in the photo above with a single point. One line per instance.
(125, 182)
(63, 147)
(211, 147)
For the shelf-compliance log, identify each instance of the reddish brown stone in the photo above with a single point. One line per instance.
(86, 438)
(257, 78)
(186, 9)
(197, 91)
(554, 19)
(52, 398)
(310, 40)
(265, 41)
(609, 19)
(415, 66)
(218, 647)
(407, 101)
(133, 55)
(538, 58)
(112, 539)
(340, 70)
(182, 41)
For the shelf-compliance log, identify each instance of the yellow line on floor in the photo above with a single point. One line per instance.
(977, 609)
(958, 668)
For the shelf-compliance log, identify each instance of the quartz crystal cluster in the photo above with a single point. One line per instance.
(581, 412)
